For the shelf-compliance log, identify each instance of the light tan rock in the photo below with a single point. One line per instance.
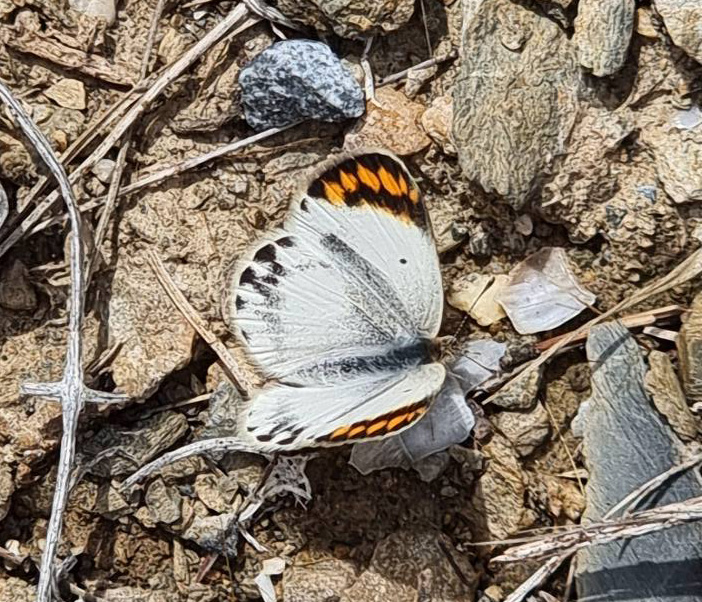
(68, 93)
(392, 122)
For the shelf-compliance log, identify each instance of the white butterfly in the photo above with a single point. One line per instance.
(340, 309)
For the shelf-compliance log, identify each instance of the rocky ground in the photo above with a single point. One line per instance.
(529, 125)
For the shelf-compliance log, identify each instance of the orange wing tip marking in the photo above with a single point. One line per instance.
(414, 195)
(348, 181)
(389, 182)
(334, 193)
(368, 177)
(404, 187)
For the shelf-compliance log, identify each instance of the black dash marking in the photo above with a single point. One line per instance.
(303, 205)
(246, 336)
(403, 261)
(286, 241)
(288, 441)
(264, 438)
(240, 303)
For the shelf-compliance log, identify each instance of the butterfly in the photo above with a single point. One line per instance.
(340, 309)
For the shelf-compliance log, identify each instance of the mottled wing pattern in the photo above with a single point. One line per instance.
(339, 304)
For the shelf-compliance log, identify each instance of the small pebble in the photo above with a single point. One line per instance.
(295, 80)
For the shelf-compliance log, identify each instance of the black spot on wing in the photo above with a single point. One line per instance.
(286, 242)
(240, 303)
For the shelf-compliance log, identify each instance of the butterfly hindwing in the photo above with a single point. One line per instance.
(369, 406)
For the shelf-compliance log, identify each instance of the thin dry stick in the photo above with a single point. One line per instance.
(537, 578)
(552, 564)
(633, 525)
(426, 27)
(266, 11)
(221, 444)
(632, 500)
(172, 171)
(116, 178)
(400, 75)
(239, 13)
(637, 320)
(686, 270)
(238, 378)
(70, 390)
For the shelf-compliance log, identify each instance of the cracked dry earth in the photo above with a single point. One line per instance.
(544, 123)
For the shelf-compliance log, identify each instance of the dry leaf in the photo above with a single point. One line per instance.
(543, 293)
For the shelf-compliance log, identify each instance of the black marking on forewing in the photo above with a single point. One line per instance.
(367, 278)
(405, 205)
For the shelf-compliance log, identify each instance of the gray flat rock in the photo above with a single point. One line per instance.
(516, 98)
(626, 443)
(603, 34)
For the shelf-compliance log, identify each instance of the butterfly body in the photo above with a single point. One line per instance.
(340, 309)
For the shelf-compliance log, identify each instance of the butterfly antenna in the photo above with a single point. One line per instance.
(452, 346)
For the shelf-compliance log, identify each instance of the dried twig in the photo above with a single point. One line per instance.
(221, 444)
(638, 320)
(268, 12)
(70, 390)
(116, 178)
(171, 171)
(167, 77)
(632, 500)
(685, 271)
(633, 525)
(400, 75)
(628, 502)
(238, 378)
(537, 578)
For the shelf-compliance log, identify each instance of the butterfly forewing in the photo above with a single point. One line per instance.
(339, 306)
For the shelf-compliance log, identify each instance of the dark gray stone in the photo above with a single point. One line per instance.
(627, 443)
(296, 80)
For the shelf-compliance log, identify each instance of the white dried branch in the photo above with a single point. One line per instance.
(70, 390)
(221, 444)
(626, 504)
(137, 109)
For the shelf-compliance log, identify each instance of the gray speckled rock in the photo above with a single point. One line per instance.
(516, 99)
(295, 80)
(603, 34)
(626, 443)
